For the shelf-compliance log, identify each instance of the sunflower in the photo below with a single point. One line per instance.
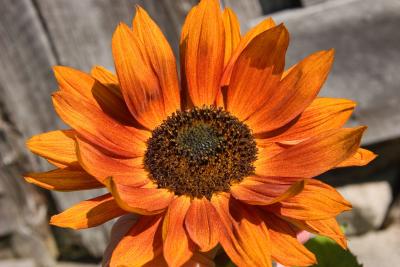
(224, 157)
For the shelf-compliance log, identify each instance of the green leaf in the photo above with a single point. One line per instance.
(330, 254)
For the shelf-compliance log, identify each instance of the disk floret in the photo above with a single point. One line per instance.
(200, 151)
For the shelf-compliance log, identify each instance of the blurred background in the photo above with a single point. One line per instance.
(37, 34)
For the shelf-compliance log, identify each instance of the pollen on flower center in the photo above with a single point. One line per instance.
(200, 152)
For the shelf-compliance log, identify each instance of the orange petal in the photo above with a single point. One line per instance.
(254, 32)
(255, 75)
(202, 224)
(107, 78)
(74, 82)
(329, 228)
(88, 213)
(185, 98)
(56, 146)
(204, 52)
(141, 244)
(101, 166)
(264, 191)
(140, 85)
(293, 94)
(119, 229)
(313, 156)
(244, 235)
(83, 86)
(361, 158)
(141, 200)
(94, 125)
(317, 201)
(161, 57)
(67, 179)
(286, 249)
(62, 166)
(323, 114)
(268, 149)
(232, 33)
(232, 39)
(178, 248)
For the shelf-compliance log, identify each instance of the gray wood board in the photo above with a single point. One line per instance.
(25, 80)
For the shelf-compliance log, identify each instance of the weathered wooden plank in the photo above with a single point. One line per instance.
(25, 77)
(245, 10)
(269, 6)
(82, 30)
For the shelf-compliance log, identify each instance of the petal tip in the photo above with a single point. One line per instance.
(57, 69)
(56, 221)
(139, 12)
(361, 129)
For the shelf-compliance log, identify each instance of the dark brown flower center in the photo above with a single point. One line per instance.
(200, 152)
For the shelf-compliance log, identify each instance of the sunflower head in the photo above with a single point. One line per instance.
(224, 155)
(199, 152)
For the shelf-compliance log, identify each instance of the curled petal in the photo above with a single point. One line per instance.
(313, 156)
(141, 244)
(202, 224)
(361, 158)
(268, 149)
(141, 200)
(88, 213)
(66, 179)
(264, 191)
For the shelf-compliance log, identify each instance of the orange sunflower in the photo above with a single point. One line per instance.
(225, 156)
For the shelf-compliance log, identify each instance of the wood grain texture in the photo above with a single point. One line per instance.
(86, 39)
(25, 83)
(245, 10)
